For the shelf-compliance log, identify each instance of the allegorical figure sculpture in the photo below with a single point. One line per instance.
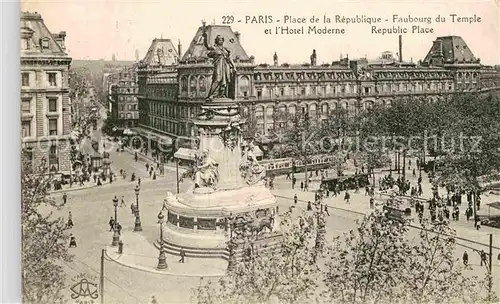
(250, 168)
(207, 173)
(224, 69)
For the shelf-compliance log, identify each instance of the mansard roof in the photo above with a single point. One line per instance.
(197, 49)
(453, 50)
(161, 52)
(40, 39)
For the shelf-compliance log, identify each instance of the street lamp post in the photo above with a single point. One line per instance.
(162, 258)
(116, 235)
(137, 226)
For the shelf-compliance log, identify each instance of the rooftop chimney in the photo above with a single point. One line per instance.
(400, 48)
(179, 49)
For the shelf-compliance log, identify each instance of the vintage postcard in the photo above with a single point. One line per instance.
(260, 151)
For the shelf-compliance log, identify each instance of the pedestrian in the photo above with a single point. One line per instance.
(372, 202)
(288, 175)
(95, 178)
(119, 228)
(295, 199)
(153, 299)
(122, 203)
(99, 182)
(183, 254)
(110, 178)
(483, 257)
(302, 185)
(132, 208)
(72, 242)
(65, 197)
(139, 181)
(414, 174)
(154, 175)
(121, 171)
(347, 197)
(111, 223)
(150, 172)
(147, 167)
(70, 220)
(309, 206)
(135, 156)
(465, 258)
(326, 210)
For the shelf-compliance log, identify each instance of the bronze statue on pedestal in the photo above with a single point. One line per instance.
(224, 74)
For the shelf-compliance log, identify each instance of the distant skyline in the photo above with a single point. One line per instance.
(98, 29)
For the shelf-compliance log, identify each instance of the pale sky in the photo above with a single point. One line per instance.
(97, 29)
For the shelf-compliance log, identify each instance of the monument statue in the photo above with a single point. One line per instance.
(250, 168)
(207, 173)
(223, 77)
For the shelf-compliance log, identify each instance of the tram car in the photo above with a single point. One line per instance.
(283, 166)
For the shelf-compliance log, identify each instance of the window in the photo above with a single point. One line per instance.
(26, 128)
(45, 43)
(129, 115)
(28, 156)
(259, 93)
(53, 126)
(52, 79)
(25, 44)
(25, 106)
(367, 90)
(303, 92)
(122, 115)
(53, 158)
(25, 79)
(52, 104)
(130, 107)
(282, 92)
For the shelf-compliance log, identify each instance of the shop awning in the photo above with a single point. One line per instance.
(495, 205)
(185, 154)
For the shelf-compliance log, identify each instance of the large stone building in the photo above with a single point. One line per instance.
(45, 105)
(170, 95)
(123, 98)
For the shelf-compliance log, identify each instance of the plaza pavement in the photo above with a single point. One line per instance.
(91, 209)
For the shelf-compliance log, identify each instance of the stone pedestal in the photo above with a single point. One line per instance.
(197, 220)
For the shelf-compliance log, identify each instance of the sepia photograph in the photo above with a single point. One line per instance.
(260, 151)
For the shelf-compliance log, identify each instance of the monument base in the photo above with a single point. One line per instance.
(198, 222)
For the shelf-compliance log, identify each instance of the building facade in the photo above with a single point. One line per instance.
(45, 104)
(168, 103)
(123, 98)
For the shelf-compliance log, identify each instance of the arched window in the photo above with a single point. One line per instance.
(202, 85)
(184, 84)
(244, 86)
(192, 85)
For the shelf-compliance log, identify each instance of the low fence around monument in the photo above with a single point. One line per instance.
(266, 242)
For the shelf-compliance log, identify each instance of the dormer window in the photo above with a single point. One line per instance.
(45, 43)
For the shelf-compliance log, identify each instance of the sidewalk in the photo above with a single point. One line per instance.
(140, 254)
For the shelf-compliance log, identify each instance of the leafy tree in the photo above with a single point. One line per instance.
(289, 274)
(379, 262)
(44, 238)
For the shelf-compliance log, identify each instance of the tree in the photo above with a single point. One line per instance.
(296, 138)
(379, 262)
(44, 238)
(287, 275)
